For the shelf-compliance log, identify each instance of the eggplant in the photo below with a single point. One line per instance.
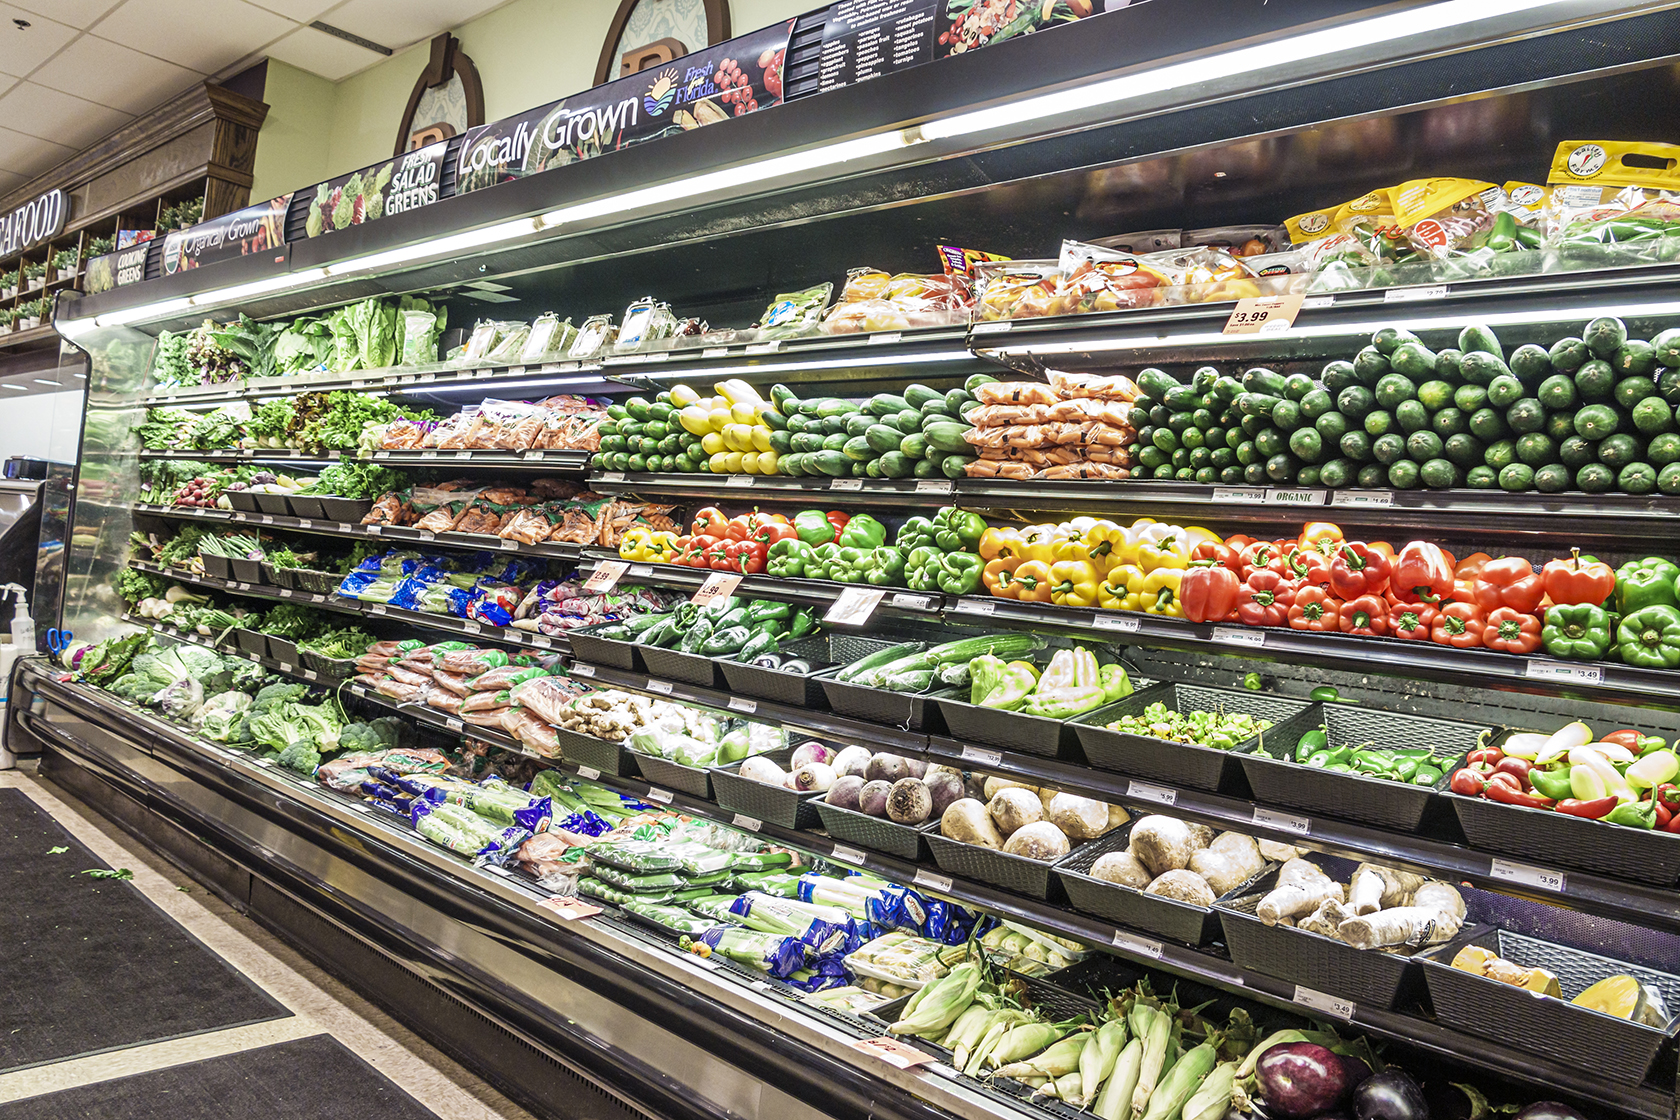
(797, 665)
(1300, 1079)
(1356, 1069)
(1389, 1095)
(1548, 1110)
(767, 661)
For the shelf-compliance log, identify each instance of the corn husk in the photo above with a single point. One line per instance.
(1096, 1061)
(1185, 1077)
(1212, 1098)
(1023, 1042)
(939, 1004)
(1059, 1060)
(1156, 1038)
(1114, 1102)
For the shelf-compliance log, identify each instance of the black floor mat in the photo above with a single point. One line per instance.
(311, 1077)
(90, 964)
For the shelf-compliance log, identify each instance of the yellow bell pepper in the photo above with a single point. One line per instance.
(1001, 544)
(1121, 584)
(642, 543)
(1036, 542)
(1195, 534)
(1105, 544)
(1073, 583)
(1159, 592)
(1168, 552)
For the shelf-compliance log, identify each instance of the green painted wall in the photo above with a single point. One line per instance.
(528, 52)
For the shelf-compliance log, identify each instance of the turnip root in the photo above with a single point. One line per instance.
(1123, 868)
(1162, 844)
(1014, 809)
(812, 751)
(909, 802)
(1183, 885)
(1436, 914)
(1302, 887)
(872, 798)
(852, 760)
(1080, 818)
(844, 792)
(761, 769)
(992, 785)
(968, 821)
(1039, 840)
(812, 777)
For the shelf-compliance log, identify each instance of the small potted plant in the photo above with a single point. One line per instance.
(182, 215)
(34, 275)
(31, 314)
(6, 316)
(99, 246)
(9, 284)
(64, 264)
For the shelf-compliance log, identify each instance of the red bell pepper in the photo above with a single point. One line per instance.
(1220, 553)
(746, 557)
(1510, 582)
(695, 553)
(1264, 598)
(1414, 621)
(1571, 581)
(1308, 568)
(1592, 810)
(1365, 617)
(717, 556)
(1458, 625)
(1315, 609)
(1208, 592)
(838, 520)
(1423, 573)
(772, 531)
(1259, 555)
(1511, 631)
(1358, 570)
(710, 522)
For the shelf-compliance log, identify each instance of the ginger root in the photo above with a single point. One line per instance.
(1302, 888)
(1380, 888)
(1436, 914)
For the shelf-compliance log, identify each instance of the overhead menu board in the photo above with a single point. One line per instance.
(865, 39)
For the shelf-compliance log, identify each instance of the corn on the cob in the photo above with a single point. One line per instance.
(1155, 1037)
(1186, 1075)
(1115, 1100)
(1096, 1061)
(968, 1028)
(1213, 1098)
(1067, 1086)
(1022, 1042)
(968, 1047)
(1059, 1060)
(941, 1002)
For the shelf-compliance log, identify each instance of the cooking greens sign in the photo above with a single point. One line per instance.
(729, 80)
(406, 183)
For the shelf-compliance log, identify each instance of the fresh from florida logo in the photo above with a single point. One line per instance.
(660, 95)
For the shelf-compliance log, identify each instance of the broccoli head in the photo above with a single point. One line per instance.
(300, 757)
(274, 695)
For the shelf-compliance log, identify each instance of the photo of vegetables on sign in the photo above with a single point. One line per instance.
(255, 229)
(406, 183)
(729, 80)
(966, 25)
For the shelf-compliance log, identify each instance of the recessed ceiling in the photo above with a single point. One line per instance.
(78, 69)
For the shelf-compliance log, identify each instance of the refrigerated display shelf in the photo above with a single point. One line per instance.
(478, 459)
(228, 455)
(1196, 964)
(897, 602)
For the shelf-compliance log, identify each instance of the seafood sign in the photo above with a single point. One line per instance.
(731, 79)
(255, 229)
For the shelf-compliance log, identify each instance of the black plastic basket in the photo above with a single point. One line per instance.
(251, 641)
(1128, 906)
(346, 509)
(1179, 764)
(770, 804)
(689, 668)
(1023, 876)
(283, 650)
(242, 500)
(273, 503)
(797, 690)
(878, 705)
(308, 579)
(1606, 1047)
(615, 653)
(246, 571)
(1370, 977)
(875, 833)
(338, 668)
(696, 781)
(1016, 731)
(217, 566)
(1548, 837)
(1355, 797)
(608, 758)
(307, 505)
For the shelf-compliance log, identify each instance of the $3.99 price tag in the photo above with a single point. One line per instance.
(1264, 314)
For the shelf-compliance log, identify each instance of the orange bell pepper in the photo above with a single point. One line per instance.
(1001, 544)
(1511, 631)
(1321, 537)
(998, 576)
(1032, 579)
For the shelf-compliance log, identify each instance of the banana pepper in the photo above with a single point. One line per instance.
(1071, 684)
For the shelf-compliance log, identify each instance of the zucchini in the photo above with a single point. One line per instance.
(875, 660)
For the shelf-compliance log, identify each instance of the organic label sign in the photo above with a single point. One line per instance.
(406, 183)
(731, 79)
(35, 221)
(255, 229)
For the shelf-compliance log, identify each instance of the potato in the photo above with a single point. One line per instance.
(1039, 840)
(1079, 817)
(968, 821)
(1162, 844)
(1014, 809)
(992, 785)
(1123, 868)
(1229, 862)
(1186, 886)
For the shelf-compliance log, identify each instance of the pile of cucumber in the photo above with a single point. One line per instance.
(917, 433)
(643, 435)
(1594, 413)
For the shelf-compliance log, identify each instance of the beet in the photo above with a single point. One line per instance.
(1300, 1079)
(844, 792)
(872, 799)
(909, 802)
(918, 767)
(946, 786)
(1389, 1095)
(887, 768)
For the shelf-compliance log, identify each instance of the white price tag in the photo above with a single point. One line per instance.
(287, 667)
(569, 909)
(357, 690)
(242, 586)
(738, 480)
(508, 545)
(588, 773)
(346, 527)
(1510, 872)
(1239, 635)
(740, 704)
(661, 687)
(305, 523)
(1283, 822)
(933, 486)
(1264, 314)
(1238, 496)
(1413, 295)
(975, 606)
(845, 484)
(580, 670)
(908, 602)
(854, 605)
(932, 880)
(1334, 1006)
(1363, 499)
(606, 576)
(1149, 791)
(718, 585)
(477, 373)
(453, 724)
(895, 1053)
(1562, 671)
(426, 534)
(750, 824)
(711, 352)
(374, 530)
(1316, 303)
(885, 338)
(533, 455)
(1276, 497)
(982, 756)
(515, 371)
(310, 675)
(765, 347)
(641, 571)
(612, 476)
(472, 627)
(377, 608)
(661, 796)
(1133, 943)
(993, 326)
(846, 855)
(266, 519)
(542, 641)
(1125, 623)
(285, 593)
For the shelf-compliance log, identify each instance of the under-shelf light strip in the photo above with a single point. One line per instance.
(1412, 25)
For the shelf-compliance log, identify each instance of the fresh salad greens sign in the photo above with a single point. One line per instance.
(729, 80)
(410, 181)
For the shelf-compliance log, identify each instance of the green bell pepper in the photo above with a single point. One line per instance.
(883, 567)
(917, 532)
(921, 569)
(863, 532)
(763, 610)
(814, 527)
(1551, 783)
(1579, 631)
(957, 530)
(1643, 583)
(1634, 814)
(822, 562)
(959, 573)
(789, 559)
(850, 566)
(1650, 637)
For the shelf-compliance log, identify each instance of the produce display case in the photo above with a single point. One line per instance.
(998, 159)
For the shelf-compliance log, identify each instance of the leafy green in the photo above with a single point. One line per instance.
(358, 480)
(340, 644)
(305, 345)
(339, 424)
(288, 620)
(273, 420)
(134, 586)
(101, 873)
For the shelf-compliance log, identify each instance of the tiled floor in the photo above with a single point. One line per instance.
(319, 1003)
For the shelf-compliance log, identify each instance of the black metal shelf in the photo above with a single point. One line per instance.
(258, 455)
(898, 602)
(476, 459)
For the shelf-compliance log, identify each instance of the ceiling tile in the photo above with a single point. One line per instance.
(21, 50)
(9, 179)
(398, 23)
(28, 155)
(325, 55)
(114, 75)
(301, 10)
(47, 113)
(202, 35)
(77, 13)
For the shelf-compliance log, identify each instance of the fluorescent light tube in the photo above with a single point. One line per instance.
(440, 247)
(14, 388)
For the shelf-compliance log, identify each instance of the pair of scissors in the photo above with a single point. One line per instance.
(59, 640)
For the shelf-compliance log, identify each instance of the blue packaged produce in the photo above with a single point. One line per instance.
(766, 952)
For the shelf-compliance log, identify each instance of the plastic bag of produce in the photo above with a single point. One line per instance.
(461, 830)
(767, 952)
(792, 314)
(671, 919)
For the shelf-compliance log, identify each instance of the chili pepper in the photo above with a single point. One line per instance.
(1633, 814)
(1644, 583)
(1591, 810)
(1573, 581)
(698, 552)
(1468, 782)
(1326, 694)
(1315, 740)
(1356, 570)
(1033, 581)
(824, 558)
(1412, 621)
(1218, 552)
(746, 557)
(958, 530)
(814, 528)
(1650, 637)
(916, 532)
(1458, 625)
(1503, 236)
(1513, 631)
(1264, 599)
(1423, 573)
(1365, 617)
(787, 559)
(1317, 759)
(1484, 755)
(1663, 812)
(1507, 793)
(1510, 582)
(850, 565)
(839, 520)
(1315, 609)
(863, 531)
(1635, 741)
(1551, 783)
(1427, 775)
(1074, 583)
(1208, 591)
(1036, 541)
